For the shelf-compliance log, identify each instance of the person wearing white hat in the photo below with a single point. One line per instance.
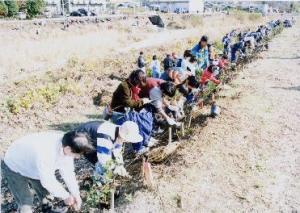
(108, 139)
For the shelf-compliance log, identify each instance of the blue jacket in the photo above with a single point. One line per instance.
(202, 56)
(145, 122)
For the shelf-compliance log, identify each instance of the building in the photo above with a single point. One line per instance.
(56, 7)
(191, 6)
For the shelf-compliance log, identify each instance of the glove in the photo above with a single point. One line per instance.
(107, 113)
(146, 101)
(172, 108)
(171, 121)
(121, 171)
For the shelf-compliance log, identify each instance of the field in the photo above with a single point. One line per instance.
(247, 159)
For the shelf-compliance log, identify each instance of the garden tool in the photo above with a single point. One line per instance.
(147, 173)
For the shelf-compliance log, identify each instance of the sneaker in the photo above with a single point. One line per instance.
(152, 142)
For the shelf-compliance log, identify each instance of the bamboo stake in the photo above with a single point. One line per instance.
(182, 129)
(190, 119)
(170, 135)
(112, 199)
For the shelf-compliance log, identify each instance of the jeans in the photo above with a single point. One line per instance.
(156, 74)
(19, 187)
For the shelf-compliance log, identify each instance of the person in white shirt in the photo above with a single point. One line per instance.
(156, 96)
(33, 160)
(155, 67)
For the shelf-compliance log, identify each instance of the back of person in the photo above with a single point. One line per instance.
(150, 83)
(141, 62)
(25, 152)
(168, 63)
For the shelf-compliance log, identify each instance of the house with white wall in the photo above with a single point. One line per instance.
(67, 6)
(191, 6)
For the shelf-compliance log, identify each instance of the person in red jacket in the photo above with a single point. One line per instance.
(208, 75)
(147, 85)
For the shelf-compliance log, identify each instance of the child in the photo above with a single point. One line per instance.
(155, 67)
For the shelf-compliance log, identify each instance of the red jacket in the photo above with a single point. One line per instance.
(150, 83)
(208, 76)
(223, 63)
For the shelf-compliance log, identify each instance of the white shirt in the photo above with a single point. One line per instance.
(38, 156)
(104, 145)
(155, 65)
(155, 94)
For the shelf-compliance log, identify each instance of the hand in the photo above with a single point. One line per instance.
(69, 201)
(146, 101)
(78, 202)
(172, 108)
(121, 171)
(171, 121)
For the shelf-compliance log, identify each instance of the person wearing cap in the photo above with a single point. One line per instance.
(33, 159)
(200, 51)
(108, 140)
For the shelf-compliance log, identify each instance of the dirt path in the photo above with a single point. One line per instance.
(248, 159)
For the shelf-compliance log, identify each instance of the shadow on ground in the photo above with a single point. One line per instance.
(297, 88)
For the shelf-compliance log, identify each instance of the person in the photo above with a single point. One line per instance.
(126, 94)
(33, 160)
(192, 66)
(200, 51)
(108, 139)
(182, 63)
(168, 62)
(141, 62)
(208, 75)
(156, 96)
(148, 85)
(174, 59)
(155, 67)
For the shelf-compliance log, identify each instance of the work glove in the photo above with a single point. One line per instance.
(121, 171)
(146, 101)
(171, 121)
(173, 108)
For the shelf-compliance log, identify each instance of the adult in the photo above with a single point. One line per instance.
(33, 160)
(126, 94)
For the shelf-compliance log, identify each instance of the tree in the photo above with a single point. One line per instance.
(12, 7)
(3, 9)
(35, 7)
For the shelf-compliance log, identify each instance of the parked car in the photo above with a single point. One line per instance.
(80, 12)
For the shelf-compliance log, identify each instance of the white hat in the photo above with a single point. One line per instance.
(129, 131)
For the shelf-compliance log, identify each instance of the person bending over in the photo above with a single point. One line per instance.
(33, 160)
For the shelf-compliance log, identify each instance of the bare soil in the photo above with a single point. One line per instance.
(248, 159)
(245, 160)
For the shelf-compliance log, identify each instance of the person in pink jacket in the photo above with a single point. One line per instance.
(208, 75)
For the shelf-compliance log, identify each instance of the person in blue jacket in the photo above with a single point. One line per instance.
(200, 51)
